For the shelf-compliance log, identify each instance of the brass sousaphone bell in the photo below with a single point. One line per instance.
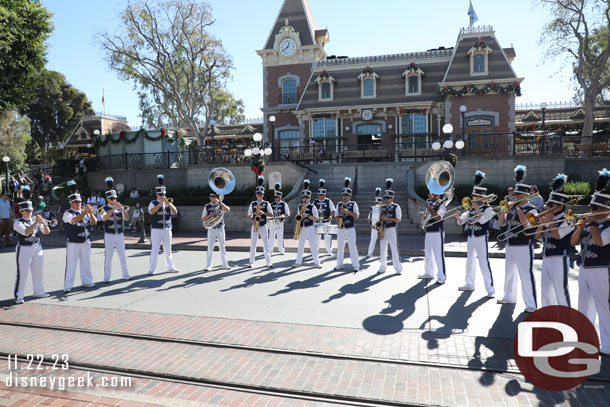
(222, 182)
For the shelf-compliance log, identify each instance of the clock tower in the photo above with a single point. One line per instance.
(292, 47)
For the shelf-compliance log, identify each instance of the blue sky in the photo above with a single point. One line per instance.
(356, 27)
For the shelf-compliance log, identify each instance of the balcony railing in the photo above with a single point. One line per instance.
(288, 98)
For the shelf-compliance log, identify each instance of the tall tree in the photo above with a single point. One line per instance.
(176, 63)
(14, 136)
(55, 110)
(580, 32)
(24, 27)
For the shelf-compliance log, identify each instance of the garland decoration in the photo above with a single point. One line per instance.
(131, 137)
(470, 88)
(368, 71)
(324, 75)
(480, 44)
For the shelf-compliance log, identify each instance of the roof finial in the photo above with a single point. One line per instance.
(286, 22)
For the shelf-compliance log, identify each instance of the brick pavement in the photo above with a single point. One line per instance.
(370, 379)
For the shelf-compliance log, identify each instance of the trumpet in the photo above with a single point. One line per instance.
(126, 208)
(50, 223)
(298, 218)
(101, 211)
(170, 200)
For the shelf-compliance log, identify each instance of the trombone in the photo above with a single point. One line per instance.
(507, 206)
(467, 204)
(572, 218)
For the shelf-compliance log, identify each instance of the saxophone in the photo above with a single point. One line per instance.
(257, 217)
(379, 226)
(340, 218)
(298, 218)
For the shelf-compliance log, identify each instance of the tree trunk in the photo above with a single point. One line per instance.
(586, 136)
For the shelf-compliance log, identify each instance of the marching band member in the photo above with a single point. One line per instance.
(593, 234)
(258, 211)
(161, 211)
(216, 232)
(555, 260)
(280, 212)
(77, 225)
(520, 248)
(29, 249)
(307, 232)
(114, 218)
(391, 215)
(326, 210)
(477, 222)
(435, 240)
(374, 233)
(346, 218)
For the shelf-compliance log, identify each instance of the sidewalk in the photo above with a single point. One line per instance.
(455, 245)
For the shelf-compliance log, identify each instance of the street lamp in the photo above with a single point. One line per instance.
(258, 149)
(6, 160)
(463, 110)
(543, 106)
(272, 122)
(213, 123)
(96, 133)
(448, 143)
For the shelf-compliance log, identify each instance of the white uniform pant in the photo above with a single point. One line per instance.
(554, 281)
(262, 232)
(213, 235)
(520, 261)
(328, 241)
(389, 236)
(435, 254)
(112, 241)
(374, 236)
(29, 258)
(308, 233)
(158, 236)
(350, 236)
(279, 232)
(593, 294)
(78, 253)
(476, 247)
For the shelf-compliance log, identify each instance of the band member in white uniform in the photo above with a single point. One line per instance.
(374, 233)
(77, 225)
(477, 222)
(280, 212)
(114, 218)
(391, 215)
(326, 211)
(29, 249)
(347, 214)
(307, 231)
(593, 234)
(216, 232)
(161, 212)
(435, 240)
(261, 210)
(520, 248)
(555, 260)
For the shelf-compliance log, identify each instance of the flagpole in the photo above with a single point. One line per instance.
(103, 102)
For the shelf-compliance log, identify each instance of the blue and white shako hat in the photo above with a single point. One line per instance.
(478, 190)
(277, 187)
(322, 190)
(521, 188)
(260, 189)
(388, 191)
(161, 188)
(557, 196)
(75, 198)
(110, 193)
(378, 195)
(347, 190)
(26, 205)
(601, 197)
(306, 191)
(72, 185)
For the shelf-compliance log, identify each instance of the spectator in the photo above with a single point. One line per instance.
(537, 201)
(81, 166)
(134, 193)
(40, 206)
(13, 187)
(48, 185)
(510, 197)
(137, 218)
(6, 222)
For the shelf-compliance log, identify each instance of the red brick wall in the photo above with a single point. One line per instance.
(303, 71)
(492, 103)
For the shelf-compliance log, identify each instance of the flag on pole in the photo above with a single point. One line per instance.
(472, 15)
(103, 96)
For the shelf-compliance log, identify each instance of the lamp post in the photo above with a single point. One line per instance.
(6, 160)
(213, 123)
(96, 133)
(257, 150)
(543, 106)
(63, 163)
(448, 144)
(272, 123)
(463, 110)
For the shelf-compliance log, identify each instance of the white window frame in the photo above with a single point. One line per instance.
(479, 51)
(330, 80)
(364, 76)
(410, 72)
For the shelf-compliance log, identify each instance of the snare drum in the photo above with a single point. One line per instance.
(326, 229)
(274, 224)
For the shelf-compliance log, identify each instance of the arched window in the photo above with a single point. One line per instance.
(289, 91)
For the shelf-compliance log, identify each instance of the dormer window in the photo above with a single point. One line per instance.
(479, 61)
(413, 78)
(325, 86)
(368, 83)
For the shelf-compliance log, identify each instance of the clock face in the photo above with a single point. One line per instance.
(367, 114)
(288, 47)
